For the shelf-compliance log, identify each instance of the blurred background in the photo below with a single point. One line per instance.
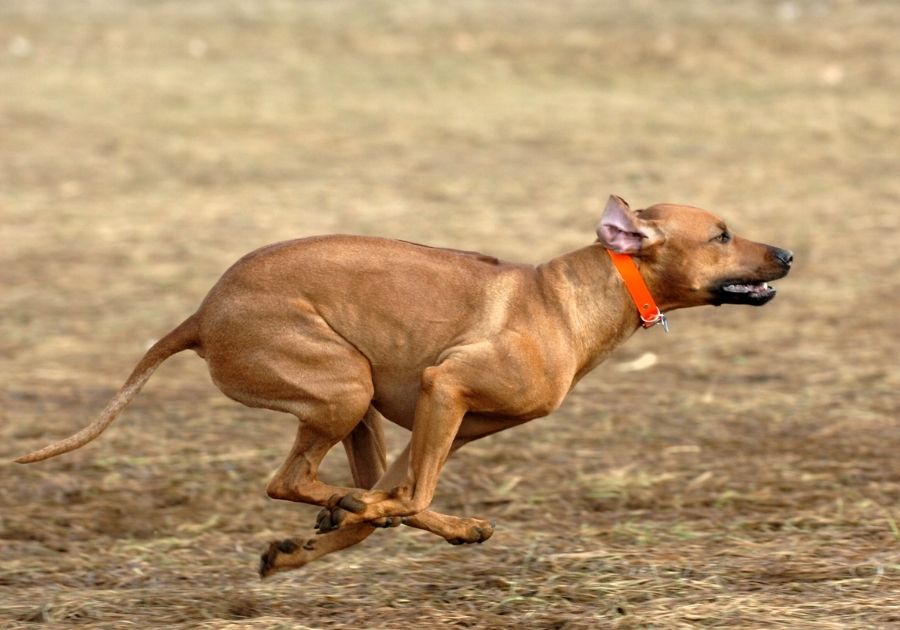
(739, 471)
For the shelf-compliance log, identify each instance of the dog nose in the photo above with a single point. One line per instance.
(784, 256)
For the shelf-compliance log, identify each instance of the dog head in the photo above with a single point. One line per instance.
(689, 257)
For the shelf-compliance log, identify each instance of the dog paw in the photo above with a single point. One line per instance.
(475, 534)
(329, 519)
(273, 559)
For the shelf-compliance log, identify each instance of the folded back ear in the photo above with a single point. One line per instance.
(622, 230)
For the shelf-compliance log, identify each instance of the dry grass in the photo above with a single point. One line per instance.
(748, 479)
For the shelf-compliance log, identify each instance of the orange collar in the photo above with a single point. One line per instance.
(637, 288)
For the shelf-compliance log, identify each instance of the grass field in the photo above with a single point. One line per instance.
(748, 479)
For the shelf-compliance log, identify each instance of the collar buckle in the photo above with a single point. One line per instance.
(659, 318)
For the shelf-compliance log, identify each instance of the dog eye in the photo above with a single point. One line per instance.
(724, 237)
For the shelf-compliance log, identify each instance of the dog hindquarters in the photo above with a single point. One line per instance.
(296, 364)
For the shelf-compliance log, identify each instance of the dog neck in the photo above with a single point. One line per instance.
(584, 287)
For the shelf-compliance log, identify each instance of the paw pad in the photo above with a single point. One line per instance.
(286, 546)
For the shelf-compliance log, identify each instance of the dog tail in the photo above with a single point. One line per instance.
(185, 336)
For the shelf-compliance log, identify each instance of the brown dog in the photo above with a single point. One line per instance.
(341, 330)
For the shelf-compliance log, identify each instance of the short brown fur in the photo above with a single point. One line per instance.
(342, 330)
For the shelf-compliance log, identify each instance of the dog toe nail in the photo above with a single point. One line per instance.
(329, 520)
(324, 521)
(352, 504)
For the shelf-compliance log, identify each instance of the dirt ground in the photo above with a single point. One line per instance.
(747, 479)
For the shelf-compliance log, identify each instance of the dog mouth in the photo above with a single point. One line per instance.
(744, 292)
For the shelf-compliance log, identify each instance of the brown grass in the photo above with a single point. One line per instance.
(748, 479)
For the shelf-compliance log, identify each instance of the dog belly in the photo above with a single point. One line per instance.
(476, 426)
(396, 401)
(398, 405)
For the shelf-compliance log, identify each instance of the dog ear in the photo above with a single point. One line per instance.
(621, 230)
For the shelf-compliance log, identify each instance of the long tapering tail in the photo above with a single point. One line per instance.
(185, 336)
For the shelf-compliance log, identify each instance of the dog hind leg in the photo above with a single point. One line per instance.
(296, 479)
(366, 452)
(367, 457)
(292, 553)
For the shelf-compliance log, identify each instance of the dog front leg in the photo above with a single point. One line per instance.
(365, 452)
(454, 529)
(439, 412)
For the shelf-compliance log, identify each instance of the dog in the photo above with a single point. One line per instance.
(342, 331)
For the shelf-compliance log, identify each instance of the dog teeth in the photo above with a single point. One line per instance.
(747, 288)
